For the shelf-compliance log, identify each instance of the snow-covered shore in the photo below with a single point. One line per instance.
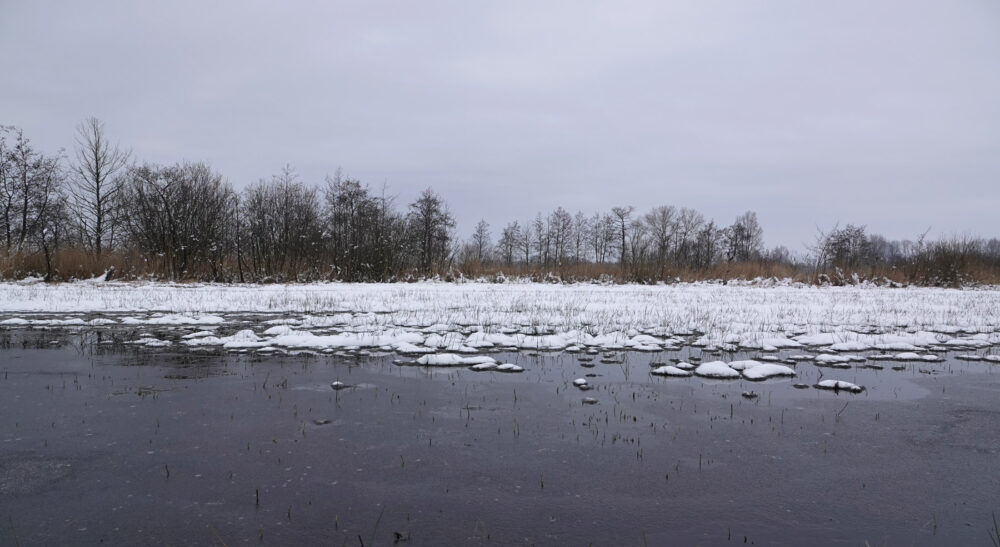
(430, 316)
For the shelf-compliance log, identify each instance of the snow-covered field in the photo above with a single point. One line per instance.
(471, 317)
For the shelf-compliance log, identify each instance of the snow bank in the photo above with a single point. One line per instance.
(421, 318)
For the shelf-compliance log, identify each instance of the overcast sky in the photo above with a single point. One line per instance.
(809, 113)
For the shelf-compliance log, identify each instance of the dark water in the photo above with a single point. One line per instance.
(117, 445)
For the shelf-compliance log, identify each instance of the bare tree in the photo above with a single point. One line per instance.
(430, 227)
(282, 221)
(30, 190)
(524, 243)
(602, 236)
(707, 245)
(365, 235)
(622, 215)
(96, 184)
(581, 234)
(848, 248)
(481, 241)
(638, 244)
(661, 224)
(744, 238)
(689, 222)
(540, 232)
(8, 193)
(509, 242)
(560, 224)
(179, 215)
(50, 233)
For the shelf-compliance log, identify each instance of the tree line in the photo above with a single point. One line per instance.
(66, 217)
(185, 221)
(650, 244)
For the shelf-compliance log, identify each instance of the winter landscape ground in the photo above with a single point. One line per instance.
(765, 412)
(471, 316)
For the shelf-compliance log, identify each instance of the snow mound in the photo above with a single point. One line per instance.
(15, 321)
(839, 385)
(716, 369)
(767, 370)
(198, 334)
(174, 319)
(101, 321)
(912, 356)
(743, 365)
(670, 370)
(452, 360)
(279, 330)
(830, 360)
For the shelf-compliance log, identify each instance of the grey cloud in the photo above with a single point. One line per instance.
(878, 113)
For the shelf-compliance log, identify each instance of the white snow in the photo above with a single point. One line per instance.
(911, 356)
(830, 359)
(15, 321)
(452, 360)
(670, 370)
(198, 334)
(100, 321)
(151, 342)
(466, 318)
(763, 371)
(174, 319)
(849, 346)
(716, 369)
(493, 366)
(839, 385)
(742, 365)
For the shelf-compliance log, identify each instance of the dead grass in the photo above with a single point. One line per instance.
(644, 274)
(72, 264)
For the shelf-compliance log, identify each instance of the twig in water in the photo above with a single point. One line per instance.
(18, 542)
(375, 528)
(217, 536)
(842, 409)
(994, 533)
